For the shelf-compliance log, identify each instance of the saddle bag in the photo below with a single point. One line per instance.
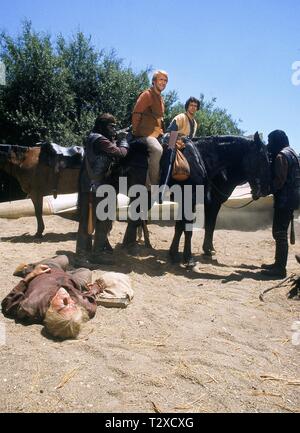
(181, 169)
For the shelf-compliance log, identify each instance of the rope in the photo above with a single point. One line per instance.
(238, 207)
(226, 196)
(283, 282)
(9, 182)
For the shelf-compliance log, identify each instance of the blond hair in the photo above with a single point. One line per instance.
(157, 73)
(65, 326)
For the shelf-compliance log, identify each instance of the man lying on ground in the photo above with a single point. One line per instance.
(61, 300)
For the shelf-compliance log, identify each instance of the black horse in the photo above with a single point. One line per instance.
(229, 161)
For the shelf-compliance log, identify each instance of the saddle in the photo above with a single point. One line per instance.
(59, 157)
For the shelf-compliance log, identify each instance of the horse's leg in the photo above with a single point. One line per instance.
(129, 240)
(146, 235)
(143, 228)
(37, 201)
(140, 233)
(173, 251)
(187, 251)
(211, 212)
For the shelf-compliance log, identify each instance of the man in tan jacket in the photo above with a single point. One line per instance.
(147, 121)
(185, 123)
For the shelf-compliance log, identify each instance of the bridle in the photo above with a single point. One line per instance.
(226, 196)
(222, 194)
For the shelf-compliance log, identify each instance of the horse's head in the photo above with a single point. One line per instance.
(18, 156)
(257, 168)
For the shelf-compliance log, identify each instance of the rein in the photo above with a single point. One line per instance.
(238, 207)
(225, 196)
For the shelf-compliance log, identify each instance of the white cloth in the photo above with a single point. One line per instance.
(117, 288)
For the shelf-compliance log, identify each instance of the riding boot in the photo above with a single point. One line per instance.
(84, 238)
(81, 260)
(281, 254)
(108, 248)
(268, 266)
(102, 250)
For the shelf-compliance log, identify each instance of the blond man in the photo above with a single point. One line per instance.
(147, 121)
(61, 300)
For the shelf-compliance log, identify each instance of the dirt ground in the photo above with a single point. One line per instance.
(191, 340)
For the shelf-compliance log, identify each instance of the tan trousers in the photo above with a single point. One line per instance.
(155, 152)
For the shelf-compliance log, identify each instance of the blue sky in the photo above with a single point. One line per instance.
(240, 52)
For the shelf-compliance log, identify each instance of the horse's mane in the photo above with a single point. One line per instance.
(222, 150)
(221, 143)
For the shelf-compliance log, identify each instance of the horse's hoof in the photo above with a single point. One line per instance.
(132, 250)
(149, 247)
(190, 262)
(209, 253)
(102, 259)
(83, 262)
(174, 257)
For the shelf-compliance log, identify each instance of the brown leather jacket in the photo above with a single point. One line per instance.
(30, 301)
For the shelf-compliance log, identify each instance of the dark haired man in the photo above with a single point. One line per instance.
(285, 187)
(101, 150)
(185, 123)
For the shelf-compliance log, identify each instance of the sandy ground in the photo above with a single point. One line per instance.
(191, 341)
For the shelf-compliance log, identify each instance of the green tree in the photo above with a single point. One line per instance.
(212, 120)
(119, 88)
(81, 62)
(99, 82)
(55, 91)
(55, 94)
(36, 100)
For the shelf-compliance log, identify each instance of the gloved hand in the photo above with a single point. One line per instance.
(123, 143)
(121, 135)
